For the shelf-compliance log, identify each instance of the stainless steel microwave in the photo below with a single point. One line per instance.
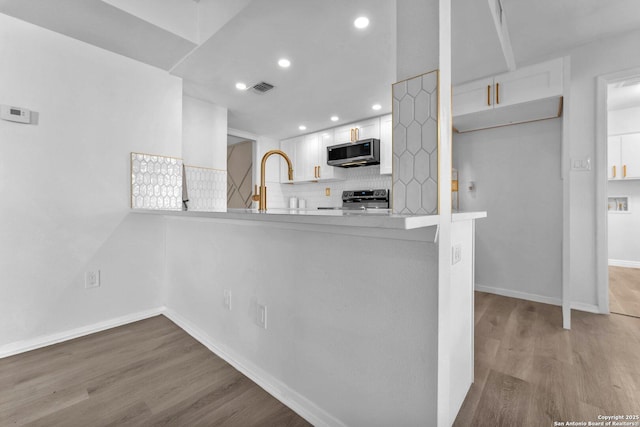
(352, 154)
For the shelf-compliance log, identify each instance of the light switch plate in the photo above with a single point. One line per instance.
(581, 164)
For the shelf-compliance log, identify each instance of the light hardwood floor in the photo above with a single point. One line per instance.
(529, 372)
(148, 373)
(624, 291)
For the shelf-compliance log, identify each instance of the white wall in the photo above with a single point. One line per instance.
(204, 134)
(65, 181)
(624, 228)
(517, 174)
(417, 25)
(357, 343)
(625, 120)
(588, 62)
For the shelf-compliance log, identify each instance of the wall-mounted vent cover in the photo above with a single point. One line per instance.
(262, 87)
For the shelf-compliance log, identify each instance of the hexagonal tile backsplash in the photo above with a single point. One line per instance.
(415, 145)
(156, 182)
(207, 189)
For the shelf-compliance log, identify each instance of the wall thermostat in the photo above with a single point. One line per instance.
(15, 114)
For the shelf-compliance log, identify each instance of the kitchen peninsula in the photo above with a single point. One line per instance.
(335, 314)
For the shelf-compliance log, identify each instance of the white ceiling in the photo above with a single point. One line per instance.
(624, 95)
(335, 68)
(541, 27)
(103, 25)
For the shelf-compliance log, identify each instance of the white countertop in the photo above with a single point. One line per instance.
(369, 218)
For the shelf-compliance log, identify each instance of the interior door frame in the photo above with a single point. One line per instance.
(602, 182)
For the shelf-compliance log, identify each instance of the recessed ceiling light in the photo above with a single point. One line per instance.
(284, 63)
(302, 127)
(335, 118)
(376, 106)
(241, 86)
(361, 22)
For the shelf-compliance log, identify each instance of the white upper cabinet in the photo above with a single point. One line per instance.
(528, 94)
(368, 129)
(290, 148)
(357, 131)
(324, 171)
(473, 97)
(529, 83)
(624, 156)
(386, 147)
(630, 155)
(613, 157)
(343, 134)
(307, 158)
(308, 154)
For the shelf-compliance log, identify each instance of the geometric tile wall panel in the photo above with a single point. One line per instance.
(207, 189)
(415, 145)
(156, 182)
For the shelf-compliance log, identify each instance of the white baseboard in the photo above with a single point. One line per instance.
(289, 397)
(623, 263)
(520, 295)
(591, 308)
(46, 340)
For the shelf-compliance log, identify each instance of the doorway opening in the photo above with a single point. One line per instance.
(239, 172)
(619, 251)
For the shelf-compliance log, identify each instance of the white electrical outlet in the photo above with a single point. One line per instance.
(456, 254)
(227, 299)
(92, 279)
(261, 316)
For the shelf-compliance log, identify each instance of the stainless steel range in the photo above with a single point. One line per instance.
(363, 199)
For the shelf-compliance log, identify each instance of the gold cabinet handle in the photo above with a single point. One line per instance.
(357, 134)
(497, 93)
(624, 171)
(318, 171)
(315, 172)
(351, 138)
(489, 95)
(614, 171)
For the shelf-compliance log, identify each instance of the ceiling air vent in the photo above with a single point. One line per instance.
(262, 87)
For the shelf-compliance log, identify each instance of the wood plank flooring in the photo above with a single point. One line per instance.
(148, 373)
(624, 291)
(529, 372)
